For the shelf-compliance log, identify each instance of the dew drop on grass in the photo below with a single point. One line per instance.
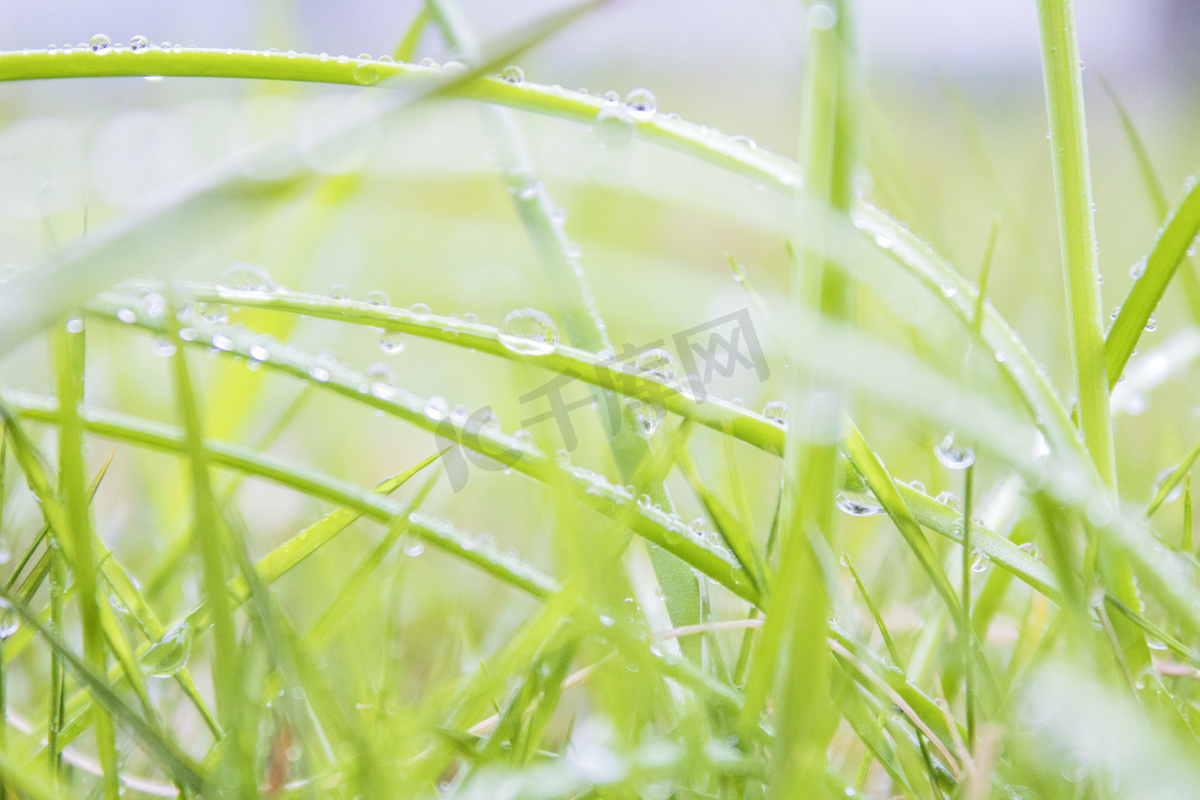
(365, 73)
(244, 277)
(1030, 549)
(1138, 269)
(614, 126)
(214, 313)
(100, 44)
(657, 363)
(139, 44)
(339, 292)
(512, 74)
(377, 298)
(647, 416)
(529, 332)
(641, 104)
(420, 310)
(162, 347)
(523, 438)
(1161, 480)
(777, 412)
(391, 342)
(857, 504)
(980, 561)
(822, 16)
(126, 315)
(414, 548)
(954, 455)
(698, 526)
(949, 499)
(436, 408)
(75, 325)
(1151, 325)
(169, 655)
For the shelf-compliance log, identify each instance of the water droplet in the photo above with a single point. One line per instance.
(614, 126)
(980, 561)
(641, 104)
(858, 504)
(512, 74)
(100, 44)
(420, 310)
(377, 298)
(75, 325)
(953, 455)
(139, 44)
(523, 438)
(1161, 480)
(1151, 325)
(1116, 312)
(221, 342)
(167, 656)
(646, 414)
(339, 292)
(414, 548)
(365, 73)
(162, 347)
(126, 315)
(822, 16)
(657, 363)
(1030, 549)
(698, 526)
(917, 485)
(529, 332)
(1138, 269)
(244, 277)
(436, 408)
(949, 499)
(454, 68)
(214, 313)
(391, 342)
(777, 412)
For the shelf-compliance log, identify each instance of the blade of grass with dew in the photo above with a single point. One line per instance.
(286, 557)
(884, 487)
(177, 764)
(1158, 198)
(573, 299)
(792, 658)
(1169, 251)
(714, 413)
(1185, 539)
(735, 536)
(1170, 483)
(211, 542)
(1073, 191)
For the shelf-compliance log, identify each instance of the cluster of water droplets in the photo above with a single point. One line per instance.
(615, 121)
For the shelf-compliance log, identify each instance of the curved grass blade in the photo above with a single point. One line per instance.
(1171, 482)
(1168, 253)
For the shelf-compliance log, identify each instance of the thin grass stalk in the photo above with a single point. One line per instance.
(76, 541)
(1080, 256)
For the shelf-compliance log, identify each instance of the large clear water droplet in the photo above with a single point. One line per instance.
(822, 16)
(391, 342)
(858, 504)
(214, 313)
(244, 277)
(512, 74)
(980, 561)
(139, 44)
(641, 104)
(1030, 549)
(169, 655)
(366, 73)
(614, 126)
(100, 44)
(529, 332)
(339, 292)
(954, 455)
(377, 298)
(777, 412)
(647, 416)
(657, 363)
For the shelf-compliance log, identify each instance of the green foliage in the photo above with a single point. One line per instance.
(227, 609)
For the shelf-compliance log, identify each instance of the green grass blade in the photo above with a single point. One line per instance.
(1170, 483)
(1168, 253)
